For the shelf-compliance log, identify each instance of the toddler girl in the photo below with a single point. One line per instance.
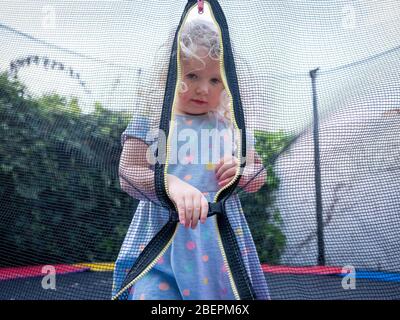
(201, 162)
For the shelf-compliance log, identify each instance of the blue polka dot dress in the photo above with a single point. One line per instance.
(193, 267)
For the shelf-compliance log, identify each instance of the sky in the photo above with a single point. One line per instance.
(117, 38)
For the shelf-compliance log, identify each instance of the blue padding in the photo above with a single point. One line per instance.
(375, 275)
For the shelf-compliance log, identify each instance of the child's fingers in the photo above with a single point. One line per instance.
(188, 209)
(228, 174)
(218, 165)
(221, 170)
(224, 182)
(196, 211)
(227, 163)
(180, 203)
(204, 209)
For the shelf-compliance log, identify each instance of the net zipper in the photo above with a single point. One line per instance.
(226, 264)
(148, 268)
(225, 82)
(153, 263)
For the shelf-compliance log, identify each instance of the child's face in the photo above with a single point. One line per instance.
(203, 85)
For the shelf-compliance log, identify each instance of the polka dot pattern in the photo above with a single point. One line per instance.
(194, 258)
(224, 269)
(161, 260)
(210, 166)
(224, 291)
(190, 245)
(189, 159)
(163, 286)
(206, 234)
(188, 268)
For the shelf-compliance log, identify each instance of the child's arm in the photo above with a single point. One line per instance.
(254, 166)
(253, 176)
(137, 179)
(136, 176)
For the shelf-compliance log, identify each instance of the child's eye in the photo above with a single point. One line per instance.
(215, 80)
(191, 76)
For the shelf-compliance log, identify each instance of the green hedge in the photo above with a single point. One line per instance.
(263, 217)
(59, 190)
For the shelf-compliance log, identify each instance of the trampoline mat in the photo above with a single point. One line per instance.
(97, 286)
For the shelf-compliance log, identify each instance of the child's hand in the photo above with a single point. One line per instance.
(226, 169)
(191, 203)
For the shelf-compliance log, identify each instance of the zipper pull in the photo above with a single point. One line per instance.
(200, 6)
(214, 208)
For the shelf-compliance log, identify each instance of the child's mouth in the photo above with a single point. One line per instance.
(199, 101)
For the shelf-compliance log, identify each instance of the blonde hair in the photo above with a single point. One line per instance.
(194, 33)
(202, 33)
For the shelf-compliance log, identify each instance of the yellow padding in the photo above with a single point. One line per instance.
(101, 266)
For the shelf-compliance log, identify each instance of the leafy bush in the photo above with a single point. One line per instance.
(59, 191)
(263, 218)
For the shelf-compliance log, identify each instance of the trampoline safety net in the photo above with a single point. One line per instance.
(247, 152)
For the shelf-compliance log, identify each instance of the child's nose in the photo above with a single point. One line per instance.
(202, 88)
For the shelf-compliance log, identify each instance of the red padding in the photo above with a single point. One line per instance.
(36, 271)
(301, 270)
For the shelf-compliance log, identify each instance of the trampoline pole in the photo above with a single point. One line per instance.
(317, 174)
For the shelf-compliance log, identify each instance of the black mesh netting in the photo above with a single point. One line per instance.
(99, 148)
